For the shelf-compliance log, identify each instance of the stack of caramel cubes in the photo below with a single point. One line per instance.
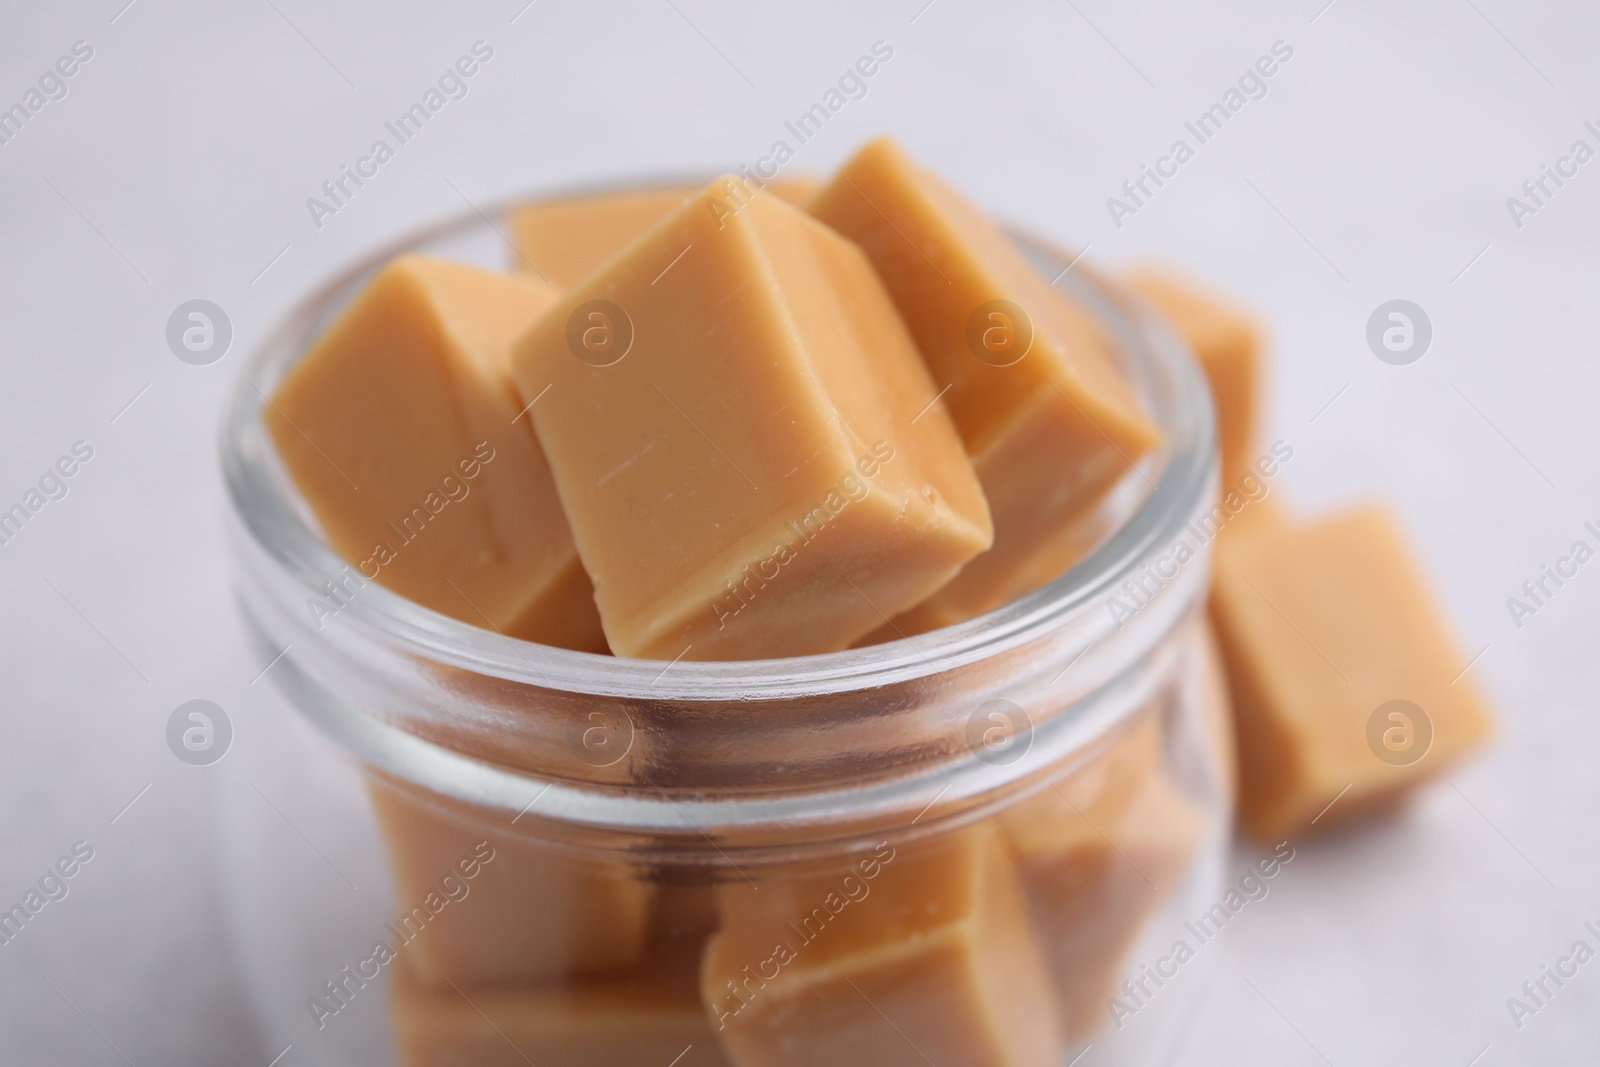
(741, 421)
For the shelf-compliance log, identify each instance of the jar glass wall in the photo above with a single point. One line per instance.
(967, 841)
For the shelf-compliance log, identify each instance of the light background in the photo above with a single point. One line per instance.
(1377, 166)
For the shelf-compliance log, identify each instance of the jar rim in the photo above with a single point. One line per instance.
(267, 506)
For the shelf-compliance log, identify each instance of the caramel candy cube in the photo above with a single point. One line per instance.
(1097, 853)
(740, 452)
(530, 911)
(1033, 387)
(1228, 347)
(400, 428)
(1216, 710)
(562, 240)
(593, 1022)
(905, 957)
(1346, 688)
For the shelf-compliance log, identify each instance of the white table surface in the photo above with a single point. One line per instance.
(1377, 166)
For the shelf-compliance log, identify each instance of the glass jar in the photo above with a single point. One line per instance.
(974, 846)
